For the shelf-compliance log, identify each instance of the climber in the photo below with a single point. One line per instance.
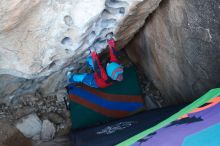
(99, 78)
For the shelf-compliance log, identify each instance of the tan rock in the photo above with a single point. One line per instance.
(179, 49)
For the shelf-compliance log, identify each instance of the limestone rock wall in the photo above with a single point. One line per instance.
(39, 37)
(40, 40)
(179, 48)
(32, 31)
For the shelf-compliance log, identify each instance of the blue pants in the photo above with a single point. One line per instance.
(85, 78)
(90, 80)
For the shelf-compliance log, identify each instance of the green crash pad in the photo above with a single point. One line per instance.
(90, 106)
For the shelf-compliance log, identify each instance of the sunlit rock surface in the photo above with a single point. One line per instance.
(39, 37)
(32, 33)
(40, 40)
(179, 48)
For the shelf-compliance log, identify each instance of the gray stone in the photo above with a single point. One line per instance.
(55, 118)
(60, 95)
(21, 112)
(36, 137)
(48, 130)
(29, 125)
(64, 128)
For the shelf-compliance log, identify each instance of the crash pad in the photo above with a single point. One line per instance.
(92, 106)
(195, 125)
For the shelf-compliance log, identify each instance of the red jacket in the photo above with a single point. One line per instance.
(100, 76)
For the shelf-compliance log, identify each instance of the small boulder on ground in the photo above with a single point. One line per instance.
(29, 125)
(48, 130)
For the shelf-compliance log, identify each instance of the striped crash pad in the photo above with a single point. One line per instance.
(91, 106)
(198, 124)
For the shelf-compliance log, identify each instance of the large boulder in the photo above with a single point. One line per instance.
(39, 37)
(179, 48)
(32, 34)
(41, 40)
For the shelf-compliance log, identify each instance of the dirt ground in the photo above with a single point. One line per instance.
(10, 136)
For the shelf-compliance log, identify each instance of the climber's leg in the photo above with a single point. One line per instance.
(89, 80)
(85, 78)
(112, 51)
(76, 78)
(89, 62)
(98, 68)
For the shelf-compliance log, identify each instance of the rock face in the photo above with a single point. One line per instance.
(32, 33)
(40, 40)
(179, 48)
(39, 37)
